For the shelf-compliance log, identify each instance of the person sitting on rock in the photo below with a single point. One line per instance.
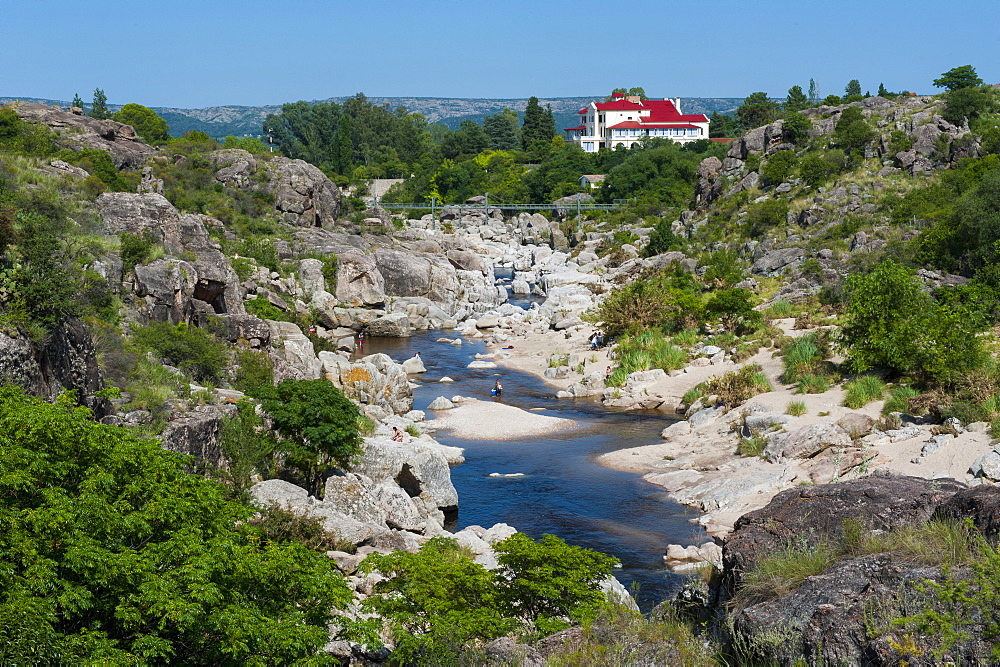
(397, 435)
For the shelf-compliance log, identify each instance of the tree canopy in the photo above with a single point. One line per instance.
(757, 109)
(958, 77)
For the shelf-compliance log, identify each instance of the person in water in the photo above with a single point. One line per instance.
(497, 388)
(397, 435)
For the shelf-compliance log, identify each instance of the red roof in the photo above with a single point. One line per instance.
(660, 111)
(567, 129)
(584, 110)
(632, 124)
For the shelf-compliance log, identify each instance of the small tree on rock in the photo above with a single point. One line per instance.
(99, 109)
(959, 77)
(318, 426)
(148, 125)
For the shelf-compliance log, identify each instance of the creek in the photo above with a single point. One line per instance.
(563, 490)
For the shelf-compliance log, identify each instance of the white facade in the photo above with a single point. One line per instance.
(624, 121)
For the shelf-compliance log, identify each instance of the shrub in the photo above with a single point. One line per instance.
(662, 239)
(765, 216)
(644, 352)
(668, 299)
(738, 386)
(802, 356)
(734, 308)
(778, 310)
(795, 408)
(778, 167)
(278, 524)
(134, 249)
(195, 351)
(692, 395)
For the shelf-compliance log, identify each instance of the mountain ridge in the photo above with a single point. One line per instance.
(221, 120)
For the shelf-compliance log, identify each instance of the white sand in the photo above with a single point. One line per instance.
(485, 420)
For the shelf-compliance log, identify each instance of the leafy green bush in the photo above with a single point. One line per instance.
(765, 216)
(252, 371)
(644, 352)
(195, 351)
(738, 386)
(668, 299)
(438, 601)
(778, 167)
(735, 309)
(892, 323)
(248, 447)
(162, 567)
(662, 239)
(134, 249)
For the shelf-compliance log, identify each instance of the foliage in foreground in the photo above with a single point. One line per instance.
(439, 601)
(110, 551)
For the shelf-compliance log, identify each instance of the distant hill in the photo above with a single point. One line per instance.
(239, 120)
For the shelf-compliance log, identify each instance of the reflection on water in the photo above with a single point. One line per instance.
(563, 491)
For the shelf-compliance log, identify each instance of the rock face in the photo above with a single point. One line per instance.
(373, 380)
(66, 360)
(197, 433)
(116, 139)
(807, 442)
(810, 512)
(842, 616)
(359, 282)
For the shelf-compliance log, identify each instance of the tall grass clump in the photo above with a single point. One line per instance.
(863, 390)
(813, 384)
(778, 310)
(686, 338)
(899, 399)
(752, 446)
(644, 352)
(795, 408)
(804, 356)
(783, 570)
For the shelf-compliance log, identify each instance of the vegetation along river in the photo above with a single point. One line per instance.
(563, 490)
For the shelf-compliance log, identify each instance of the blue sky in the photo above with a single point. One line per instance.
(252, 52)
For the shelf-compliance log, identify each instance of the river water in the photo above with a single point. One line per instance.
(563, 490)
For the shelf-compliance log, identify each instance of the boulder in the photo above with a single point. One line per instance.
(303, 195)
(393, 325)
(296, 349)
(419, 469)
(147, 214)
(359, 282)
(465, 260)
(196, 433)
(987, 465)
(980, 503)
(806, 442)
(78, 131)
(440, 403)
(414, 365)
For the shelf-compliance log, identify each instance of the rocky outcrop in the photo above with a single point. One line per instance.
(147, 214)
(197, 433)
(375, 380)
(77, 131)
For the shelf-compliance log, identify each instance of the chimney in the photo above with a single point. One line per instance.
(635, 99)
(677, 104)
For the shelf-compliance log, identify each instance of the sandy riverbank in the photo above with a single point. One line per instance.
(483, 420)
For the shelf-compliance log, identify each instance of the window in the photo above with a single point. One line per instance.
(588, 146)
(619, 133)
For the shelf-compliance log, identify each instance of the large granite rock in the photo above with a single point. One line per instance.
(146, 214)
(65, 360)
(295, 349)
(197, 433)
(303, 195)
(419, 468)
(372, 380)
(806, 442)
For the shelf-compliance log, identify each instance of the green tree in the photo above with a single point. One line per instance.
(852, 88)
(893, 324)
(882, 92)
(112, 552)
(796, 128)
(99, 108)
(765, 216)
(318, 426)
(959, 77)
(148, 125)
(852, 132)
(662, 239)
(966, 104)
(813, 92)
(796, 99)
(757, 109)
(502, 130)
(735, 309)
(721, 126)
(546, 580)
(248, 447)
(637, 91)
(778, 167)
(77, 101)
(343, 147)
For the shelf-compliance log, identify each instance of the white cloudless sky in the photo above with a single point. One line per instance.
(252, 52)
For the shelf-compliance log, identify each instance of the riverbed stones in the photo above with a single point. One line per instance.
(482, 364)
(987, 465)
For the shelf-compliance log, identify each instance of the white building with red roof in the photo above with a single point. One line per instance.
(626, 120)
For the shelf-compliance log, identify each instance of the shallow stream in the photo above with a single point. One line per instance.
(563, 490)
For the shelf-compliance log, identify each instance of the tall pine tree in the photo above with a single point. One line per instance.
(99, 109)
(77, 101)
(502, 130)
(539, 124)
